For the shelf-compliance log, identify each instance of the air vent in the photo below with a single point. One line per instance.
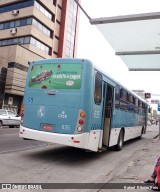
(13, 31)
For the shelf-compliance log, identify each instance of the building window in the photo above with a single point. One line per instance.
(11, 24)
(6, 25)
(40, 45)
(43, 10)
(1, 26)
(29, 21)
(33, 41)
(17, 23)
(41, 27)
(24, 22)
(71, 29)
(16, 6)
(26, 40)
(15, 41)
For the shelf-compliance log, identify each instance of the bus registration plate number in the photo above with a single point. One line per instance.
(47, 127)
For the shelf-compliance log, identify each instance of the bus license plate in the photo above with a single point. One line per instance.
(48, 127)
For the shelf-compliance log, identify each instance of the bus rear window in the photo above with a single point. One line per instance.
(98, 89)
(56, 76)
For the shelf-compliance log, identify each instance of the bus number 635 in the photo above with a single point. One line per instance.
(66, 127)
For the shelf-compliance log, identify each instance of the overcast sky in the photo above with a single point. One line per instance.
(93, 46)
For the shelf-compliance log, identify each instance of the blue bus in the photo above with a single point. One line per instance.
(71, 102)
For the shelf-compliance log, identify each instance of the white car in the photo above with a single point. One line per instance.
(9, 118)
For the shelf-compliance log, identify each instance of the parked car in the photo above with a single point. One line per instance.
(9, 118)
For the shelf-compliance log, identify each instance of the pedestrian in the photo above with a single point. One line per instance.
(155, 175)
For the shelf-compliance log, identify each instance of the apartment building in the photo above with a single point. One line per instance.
(32, 30)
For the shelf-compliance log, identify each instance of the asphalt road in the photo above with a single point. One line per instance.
(35, 162)
(10, 141)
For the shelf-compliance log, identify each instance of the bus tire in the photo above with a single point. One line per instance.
(120, 142)
(140, 137)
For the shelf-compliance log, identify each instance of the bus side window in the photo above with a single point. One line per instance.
(140, 107)
(131, 103)
(143, 108)
(117, 96)
(136, 105)
(98, 89)
(124, 95)
(123, 100)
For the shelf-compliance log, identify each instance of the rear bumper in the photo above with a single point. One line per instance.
(79, 140)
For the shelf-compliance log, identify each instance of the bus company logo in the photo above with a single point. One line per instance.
(41, 111)
(62, 115)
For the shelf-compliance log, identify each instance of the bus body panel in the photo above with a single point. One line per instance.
(61, 119)
(57, 110)
(125, 119)
(51, 110)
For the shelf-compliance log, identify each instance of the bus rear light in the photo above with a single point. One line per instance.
(79, 129)
(22, 114)
(82, 115)
(81, 122)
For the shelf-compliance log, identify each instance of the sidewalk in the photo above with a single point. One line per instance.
(140, 168)
(137, 169)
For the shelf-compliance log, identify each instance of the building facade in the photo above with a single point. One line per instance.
(32, 30)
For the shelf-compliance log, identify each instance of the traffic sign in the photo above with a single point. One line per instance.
(159, 106)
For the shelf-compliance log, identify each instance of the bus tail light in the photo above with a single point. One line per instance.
(79, 129)
(81, 122)
(82, 115)
(22, 115)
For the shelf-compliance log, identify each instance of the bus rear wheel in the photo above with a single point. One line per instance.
(120, 142)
